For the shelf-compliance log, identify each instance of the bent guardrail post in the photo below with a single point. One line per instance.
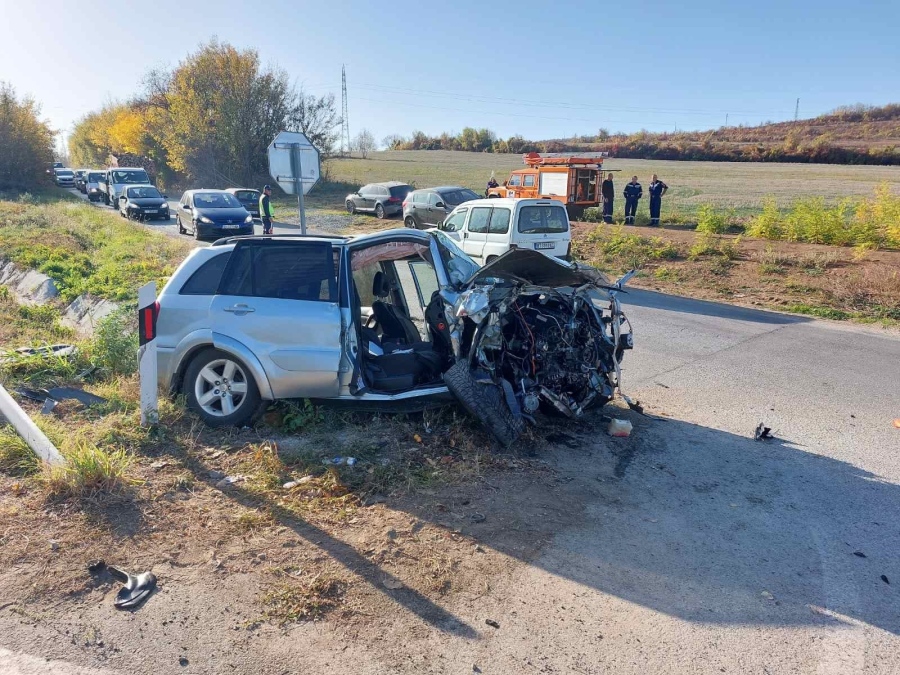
(28, 430)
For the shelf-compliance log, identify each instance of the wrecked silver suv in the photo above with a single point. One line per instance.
(398, 319)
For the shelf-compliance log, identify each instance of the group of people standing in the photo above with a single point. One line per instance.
(633, 193)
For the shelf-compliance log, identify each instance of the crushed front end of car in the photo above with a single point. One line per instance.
(536, 334)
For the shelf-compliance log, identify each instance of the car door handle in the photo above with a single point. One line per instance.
(239, 309)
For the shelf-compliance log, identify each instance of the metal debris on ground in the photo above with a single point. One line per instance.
(619, 428)
(885, 580)
(762, 433)
(859, 554)
(51, 397)
(228, 481)
(492, 623)
(478, 518)
(49, 350)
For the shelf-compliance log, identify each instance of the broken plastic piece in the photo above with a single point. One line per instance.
(96, 566)
(136, 590)
(762, 433)
(619, 428)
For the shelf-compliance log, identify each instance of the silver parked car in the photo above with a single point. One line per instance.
(400, 318)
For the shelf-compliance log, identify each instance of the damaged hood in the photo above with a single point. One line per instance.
(539, 270)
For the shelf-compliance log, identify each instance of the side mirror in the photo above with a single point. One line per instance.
(440, 205)
(165, 196)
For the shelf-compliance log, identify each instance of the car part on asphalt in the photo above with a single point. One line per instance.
(136, 590)
(619, 428)
(762, 433)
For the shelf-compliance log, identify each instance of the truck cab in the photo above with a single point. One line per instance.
(573, 180)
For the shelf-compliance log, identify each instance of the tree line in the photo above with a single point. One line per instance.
(849, 135)
(207, 121)
(26, 142)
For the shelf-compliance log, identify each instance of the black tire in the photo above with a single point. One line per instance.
(485, 402)
(106, 198)
(351, 207)
(181, 229)
(196, 231)
(379, 212)
(411, 223)
(250, 402)
(490, 259)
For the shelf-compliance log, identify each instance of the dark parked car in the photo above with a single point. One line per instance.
(248, 198)
(143, 202)
(212, 214)
(382, 199)
(429, 207)
(79, 179)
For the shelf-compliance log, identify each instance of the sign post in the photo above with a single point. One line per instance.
(147, 369)
(294, 165)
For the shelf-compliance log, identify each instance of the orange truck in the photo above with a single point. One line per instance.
(573, 180)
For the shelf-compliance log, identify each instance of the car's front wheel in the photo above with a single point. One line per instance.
(351, 207)
(379, 212)
(220, 389)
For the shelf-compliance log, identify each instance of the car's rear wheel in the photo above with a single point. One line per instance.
(351, 207)
(379, 212)
(220, 389)
(410, 222)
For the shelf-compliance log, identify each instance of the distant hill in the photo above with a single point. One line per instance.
(850, 135)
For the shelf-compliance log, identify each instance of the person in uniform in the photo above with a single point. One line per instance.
(266, 210)
(657, 190)
(608, 192)
(633, 192)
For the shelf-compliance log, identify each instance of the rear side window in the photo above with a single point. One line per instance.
(499, 221)
(479, 220)
(420, 197)
(247, 195)
(304, 271)
(205, 281)
(542, 219)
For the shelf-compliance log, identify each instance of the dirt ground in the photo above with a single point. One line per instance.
(825, 281)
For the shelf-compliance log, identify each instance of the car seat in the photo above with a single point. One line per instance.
(395, 326)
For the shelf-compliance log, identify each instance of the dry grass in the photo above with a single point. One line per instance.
(89, 470)
(306, 598)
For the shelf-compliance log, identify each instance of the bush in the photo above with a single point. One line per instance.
(876, 220)
(768, 224)
(711, 221)
(115, 344)
(89, 469)
(26, 142)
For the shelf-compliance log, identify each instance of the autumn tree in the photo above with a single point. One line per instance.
(317, 118)
(26, 142)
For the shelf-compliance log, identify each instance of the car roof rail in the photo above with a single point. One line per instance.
(228, 240)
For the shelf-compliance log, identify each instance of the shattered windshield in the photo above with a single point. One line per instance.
(459, 265)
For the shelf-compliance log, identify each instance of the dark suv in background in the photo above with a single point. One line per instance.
(429, 207)
(382, 199)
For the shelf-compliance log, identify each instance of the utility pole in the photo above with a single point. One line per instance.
(797, 110)
(726, 119)
(345, 116)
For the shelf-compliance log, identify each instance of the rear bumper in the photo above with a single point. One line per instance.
(392, 209)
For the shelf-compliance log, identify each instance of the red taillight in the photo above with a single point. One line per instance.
(393, 200)
(404, 204)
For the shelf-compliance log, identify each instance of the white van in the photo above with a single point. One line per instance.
(488, 228)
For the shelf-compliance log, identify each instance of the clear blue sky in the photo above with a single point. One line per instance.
(542, 69)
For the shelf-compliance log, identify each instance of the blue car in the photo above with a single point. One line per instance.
(212, 214)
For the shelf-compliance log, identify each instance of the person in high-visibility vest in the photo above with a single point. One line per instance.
(266, 210)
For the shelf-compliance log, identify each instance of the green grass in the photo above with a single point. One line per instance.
(88, 470)
(16, 458)
(85, 249)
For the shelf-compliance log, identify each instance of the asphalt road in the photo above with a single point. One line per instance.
(289, 224)
(689, 547)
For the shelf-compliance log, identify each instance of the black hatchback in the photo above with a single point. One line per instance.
(212, 214)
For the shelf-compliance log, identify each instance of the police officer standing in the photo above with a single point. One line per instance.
(266, 210)
(608, 192)
(633, 192)
(657, 190)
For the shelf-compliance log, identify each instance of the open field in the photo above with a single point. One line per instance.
(737, 185)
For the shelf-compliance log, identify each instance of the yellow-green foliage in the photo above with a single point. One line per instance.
(711, 221)
(89, 469)
(873, 222)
